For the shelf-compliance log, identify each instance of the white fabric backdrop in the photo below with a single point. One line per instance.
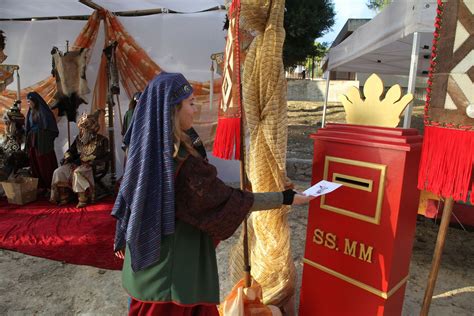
(176, 42)
(16, 9)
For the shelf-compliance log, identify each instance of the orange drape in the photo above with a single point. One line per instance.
(47, 87)
(136, 69)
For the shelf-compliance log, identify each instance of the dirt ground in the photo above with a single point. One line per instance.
(35, 286)
(304, 118)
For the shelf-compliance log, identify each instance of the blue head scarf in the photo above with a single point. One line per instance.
(46, 119)
(144, 207)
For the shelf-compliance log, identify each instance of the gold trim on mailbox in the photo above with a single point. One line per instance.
(367, 187)
(378, 209)
(368, 288)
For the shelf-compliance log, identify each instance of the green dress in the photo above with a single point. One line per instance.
(206, 209)
(186, 274)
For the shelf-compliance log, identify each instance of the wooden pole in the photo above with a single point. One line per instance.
(110, 108)
(91, 4)
(443, 229)
(120, 111)
(18, 89)
(68, 135)
(243, 186)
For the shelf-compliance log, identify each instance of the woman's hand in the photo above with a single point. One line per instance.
(120, 254)
(300, 199)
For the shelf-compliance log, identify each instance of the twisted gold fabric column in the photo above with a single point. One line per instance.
(264, 101)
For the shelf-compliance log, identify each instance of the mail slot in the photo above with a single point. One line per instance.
(359, 237)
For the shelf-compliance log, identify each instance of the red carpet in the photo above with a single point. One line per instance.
(79, 236)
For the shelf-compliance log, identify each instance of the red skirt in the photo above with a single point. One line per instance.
(138, 308)
(42, 167)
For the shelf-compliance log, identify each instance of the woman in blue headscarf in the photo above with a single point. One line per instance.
(41, 130)
(171, 206)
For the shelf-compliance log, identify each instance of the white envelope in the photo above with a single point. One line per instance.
(322, 187)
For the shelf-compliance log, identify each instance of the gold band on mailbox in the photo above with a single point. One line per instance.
(368, 288)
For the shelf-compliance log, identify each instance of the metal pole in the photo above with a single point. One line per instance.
(412, 77)
(326, 97)
(211, 87)
(443, 229)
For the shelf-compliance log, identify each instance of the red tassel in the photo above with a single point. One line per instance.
(446, 162)
(227, 139)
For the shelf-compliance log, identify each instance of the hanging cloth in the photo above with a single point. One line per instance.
(227, 141)
(448, 145)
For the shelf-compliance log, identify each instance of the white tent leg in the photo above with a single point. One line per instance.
(326, 97)
(412, 77)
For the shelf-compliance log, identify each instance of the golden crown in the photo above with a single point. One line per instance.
(373, 110)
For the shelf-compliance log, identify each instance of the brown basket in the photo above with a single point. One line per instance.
(20, 190)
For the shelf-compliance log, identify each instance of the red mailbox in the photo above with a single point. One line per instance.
(359, 238)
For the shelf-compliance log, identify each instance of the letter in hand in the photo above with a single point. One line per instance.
(321, 188)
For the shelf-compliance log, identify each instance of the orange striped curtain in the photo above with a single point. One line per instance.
(136, 68)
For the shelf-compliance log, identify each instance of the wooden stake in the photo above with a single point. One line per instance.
(443, 228)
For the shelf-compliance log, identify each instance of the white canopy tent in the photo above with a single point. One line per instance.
(177, 42)
(396, 41)
(21, 9)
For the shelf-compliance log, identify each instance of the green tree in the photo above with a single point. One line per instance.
(312, 61)
(377, 5)
(305, 20)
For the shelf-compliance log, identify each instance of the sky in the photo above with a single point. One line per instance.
(346, 9)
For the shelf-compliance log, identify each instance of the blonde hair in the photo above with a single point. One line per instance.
(180, 138)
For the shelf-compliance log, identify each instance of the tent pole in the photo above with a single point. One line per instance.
(120, 111)
(326, 97)
(18, 89)
(211, 86)
(415, 50)
(91, 4)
